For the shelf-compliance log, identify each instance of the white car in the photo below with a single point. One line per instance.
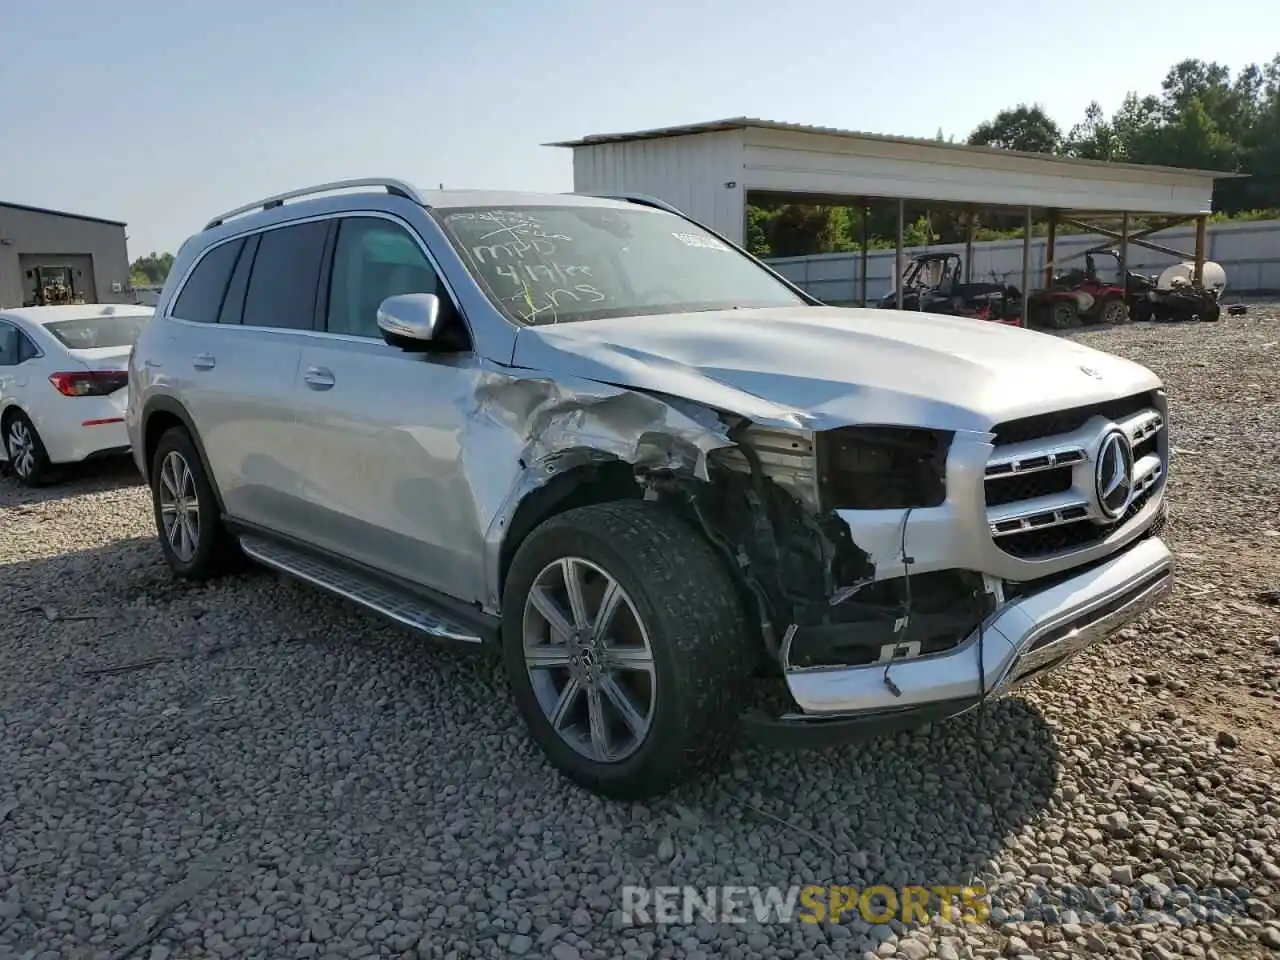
(64, 374)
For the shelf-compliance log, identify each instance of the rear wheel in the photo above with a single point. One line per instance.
(27, 456)
(195, 542)
(622, 636)
(1210, 312)
(1141, 311)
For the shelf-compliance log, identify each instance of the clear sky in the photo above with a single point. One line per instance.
(166, 113)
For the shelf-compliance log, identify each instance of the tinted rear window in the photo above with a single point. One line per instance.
(201, 296)
(91, 332)
(285, 277)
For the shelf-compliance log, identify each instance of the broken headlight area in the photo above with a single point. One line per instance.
(769, 506)
(881, 468)
(889, 620)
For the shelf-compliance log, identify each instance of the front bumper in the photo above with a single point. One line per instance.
(1021, 640)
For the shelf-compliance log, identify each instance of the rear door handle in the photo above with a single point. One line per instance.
(204, 361)
(319, 378)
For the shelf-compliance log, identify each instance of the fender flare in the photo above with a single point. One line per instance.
(169, 405)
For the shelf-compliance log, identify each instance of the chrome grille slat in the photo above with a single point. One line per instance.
(1046, 482)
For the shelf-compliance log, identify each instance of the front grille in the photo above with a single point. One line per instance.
(1016, 487)
(1068, 536)
(1040, 493)
(1065, 421)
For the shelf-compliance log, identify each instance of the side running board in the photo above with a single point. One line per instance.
(401, 607)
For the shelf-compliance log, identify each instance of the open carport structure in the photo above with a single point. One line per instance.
(713, 170)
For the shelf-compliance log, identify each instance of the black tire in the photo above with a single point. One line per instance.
(687, 603)
(216, 551)
(1141, 311)
(1063, 314)
(40, 471)
(1113, 312)
(1210, 313)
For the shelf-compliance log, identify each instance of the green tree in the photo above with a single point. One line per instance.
(1094, 138)
(1026, 128)
(151, 269)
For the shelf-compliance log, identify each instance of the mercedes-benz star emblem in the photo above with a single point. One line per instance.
(1113, 478)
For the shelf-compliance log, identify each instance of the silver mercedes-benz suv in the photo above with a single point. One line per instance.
(685, 501)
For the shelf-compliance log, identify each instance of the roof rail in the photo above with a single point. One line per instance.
(397, 188)
(643, 199)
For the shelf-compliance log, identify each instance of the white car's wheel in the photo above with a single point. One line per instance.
(27, 456)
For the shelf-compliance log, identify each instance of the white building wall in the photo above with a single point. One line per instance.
(1249, 253)
(690, 172)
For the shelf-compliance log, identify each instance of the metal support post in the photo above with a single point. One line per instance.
(1202, 226)
(1124, 251)
(1050, 248)
(968, 247)
(902, 213)
(1026, 266)
(862, 268)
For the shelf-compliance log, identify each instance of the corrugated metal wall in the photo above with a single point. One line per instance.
(1248, 252)
(690, 172)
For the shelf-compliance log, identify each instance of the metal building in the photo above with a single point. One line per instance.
(713, 170)
(48, 256)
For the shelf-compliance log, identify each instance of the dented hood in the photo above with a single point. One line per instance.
(821, 367)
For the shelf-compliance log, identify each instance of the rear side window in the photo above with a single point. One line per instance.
(233, 303)
(201, 296)
(10, 345)
(285, 277)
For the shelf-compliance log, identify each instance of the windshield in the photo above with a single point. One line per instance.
(556, 264)
(86, 333)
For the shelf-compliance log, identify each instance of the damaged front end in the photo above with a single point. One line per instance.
(862, 552)
(778, 504)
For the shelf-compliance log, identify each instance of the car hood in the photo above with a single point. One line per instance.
(822, 367)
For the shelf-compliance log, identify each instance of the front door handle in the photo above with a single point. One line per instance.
(204, 361)
(319, 378)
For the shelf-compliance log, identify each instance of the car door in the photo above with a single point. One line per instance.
(386, 482)
(237, 359)
(17, 356)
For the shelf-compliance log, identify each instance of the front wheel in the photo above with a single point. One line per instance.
(622, 636)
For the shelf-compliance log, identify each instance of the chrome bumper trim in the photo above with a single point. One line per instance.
(1021, 639)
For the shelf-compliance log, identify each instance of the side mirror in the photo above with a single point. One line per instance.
(409, 320)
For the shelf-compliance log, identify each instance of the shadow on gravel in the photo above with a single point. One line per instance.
(257, 706)
(71, 480)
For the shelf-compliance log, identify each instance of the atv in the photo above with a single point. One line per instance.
(1173, 295)
(1097, 301)
(932, 284)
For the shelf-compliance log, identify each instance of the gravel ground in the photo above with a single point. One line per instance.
(253, 769)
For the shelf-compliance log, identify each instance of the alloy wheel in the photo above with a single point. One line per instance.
(22, 449)
(179, 506)
(589, 660)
